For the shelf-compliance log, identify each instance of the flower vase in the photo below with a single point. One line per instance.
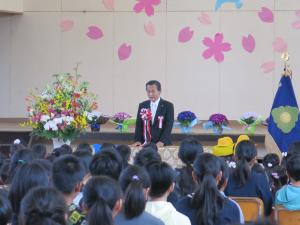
(185, 130)
(250, 130)
(95, 127)
(57, 142)
(218, 130)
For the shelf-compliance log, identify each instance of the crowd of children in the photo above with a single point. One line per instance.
(77, 187)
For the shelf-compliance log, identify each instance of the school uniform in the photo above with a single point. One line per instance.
(145, 219)
(256, 186)
(229, 214)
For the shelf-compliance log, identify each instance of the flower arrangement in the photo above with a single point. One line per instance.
(122, 120)
(217, 122)
(95, 119)
(186, 120)
(60, 111)
(250, 120)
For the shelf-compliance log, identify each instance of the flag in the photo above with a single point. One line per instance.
(284, 120)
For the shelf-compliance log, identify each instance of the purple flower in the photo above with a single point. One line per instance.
(218, 119)
(120, 117)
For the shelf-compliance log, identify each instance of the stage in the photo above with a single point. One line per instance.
(10, 130)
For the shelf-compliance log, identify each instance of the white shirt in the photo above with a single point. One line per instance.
(153, 106)
(167, 213)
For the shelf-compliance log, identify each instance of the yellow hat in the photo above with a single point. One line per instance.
(241, 138)
(224, 147)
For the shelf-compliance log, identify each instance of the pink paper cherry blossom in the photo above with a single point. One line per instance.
(216, 47)
(147, 5)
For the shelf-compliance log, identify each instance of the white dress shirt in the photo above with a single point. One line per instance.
(154, 106)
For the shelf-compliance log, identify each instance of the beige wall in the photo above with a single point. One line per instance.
(32, 47)
(15, 6)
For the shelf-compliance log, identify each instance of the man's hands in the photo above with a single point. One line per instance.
(137, 144)
(160, 144)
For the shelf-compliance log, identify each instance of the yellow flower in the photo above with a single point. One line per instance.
(81, 122)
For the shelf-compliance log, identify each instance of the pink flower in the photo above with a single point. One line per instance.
(146, 5)
(216, 47)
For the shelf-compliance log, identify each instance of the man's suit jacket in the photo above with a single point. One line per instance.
(165, 109)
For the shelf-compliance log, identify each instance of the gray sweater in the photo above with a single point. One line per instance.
(144, 219)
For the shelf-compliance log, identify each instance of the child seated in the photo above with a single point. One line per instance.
(135, 183)
(188, 151)
(276, 174)
(208, 205)
(244, 181)
(162, 184)
(102, 200)
(289, 195)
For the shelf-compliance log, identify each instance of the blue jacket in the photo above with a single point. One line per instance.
(256, 186)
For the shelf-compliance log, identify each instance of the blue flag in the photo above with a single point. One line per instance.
(284, 120)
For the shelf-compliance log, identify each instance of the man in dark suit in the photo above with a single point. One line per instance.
(162, 117)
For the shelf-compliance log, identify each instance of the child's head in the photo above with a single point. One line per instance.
(135, 183)
(150, 145)
(43, 206)
(162, 178)
(224, 148)
(271, 160)
(102, 199)
(67, 174)
(293, 168)
(189, 149)
(145, 156)
(207, 199)
(84, 147)
(277, 177)
(245, 155)
(62, 150)
(107, 145)
(27, 176)
(40, 150)
(85, 157)
(5, 209)
(108, 163)
(294, 149)
(20, 157)
(125, 152)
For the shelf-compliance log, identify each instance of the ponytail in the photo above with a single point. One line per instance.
(242, 172)
(100, 196)
(185, 180)
(245, 153)
(134, 202)
(207, 199)
(100, 213)
(134, 180)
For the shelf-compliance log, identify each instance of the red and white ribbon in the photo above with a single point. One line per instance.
(146, 116)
